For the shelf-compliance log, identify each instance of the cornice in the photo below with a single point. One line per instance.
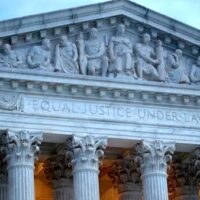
(135, 14)
(99, 88)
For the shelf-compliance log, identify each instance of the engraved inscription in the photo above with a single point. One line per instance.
(112, 112)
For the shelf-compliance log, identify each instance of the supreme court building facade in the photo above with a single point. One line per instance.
(100, 102)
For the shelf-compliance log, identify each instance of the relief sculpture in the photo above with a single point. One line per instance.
(175, 69)
(114, 55)
(9, 58)
(9, 102)
(120, 52)
(92, 55)
(66, 56)
(162, 74)
(39, 57)
(195, 72)
(146, 59)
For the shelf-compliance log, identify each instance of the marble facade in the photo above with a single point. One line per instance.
(99, 102)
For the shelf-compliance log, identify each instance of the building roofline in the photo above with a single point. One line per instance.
(96, 11)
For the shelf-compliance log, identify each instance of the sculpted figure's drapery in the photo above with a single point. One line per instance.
(114, 55)
(66, 56)
(145, 64)
(92, 55)
(39, 57)
(120, 51)
(175, 69)
(195, 72)
(9, 58)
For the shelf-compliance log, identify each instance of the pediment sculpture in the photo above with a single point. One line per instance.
(89, 54)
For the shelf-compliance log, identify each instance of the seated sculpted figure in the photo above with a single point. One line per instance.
(146, 59)
(39, 57)
(195, 72)
(66, 56)
(9, 58)
(176, 73)
(92, 55)
(120, 52)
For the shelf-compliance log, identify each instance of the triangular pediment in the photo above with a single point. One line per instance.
(25, 36)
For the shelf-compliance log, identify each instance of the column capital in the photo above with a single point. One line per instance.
(125, 175)
(22, 147)
(154, 156)
(186, 170)
(86, 152)
(57, 168)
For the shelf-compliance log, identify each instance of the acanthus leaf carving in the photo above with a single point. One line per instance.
(57, 167)
(125, 174)
(154, 156)
(86, 151)
(22, 147)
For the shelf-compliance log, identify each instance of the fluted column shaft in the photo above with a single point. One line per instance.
(129, 196)
(3, 191)
(21, 148)
(59, 173)
(130, 193)
(86, 154)
(155, 186)
(153, 161)
(186, 193)
(63, 189)
(3, 178)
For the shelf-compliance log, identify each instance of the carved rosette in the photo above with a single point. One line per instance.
(154, 156)
(22, 147)
(86, 152)
(125, 176)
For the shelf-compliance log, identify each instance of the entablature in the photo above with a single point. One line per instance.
(104, 88)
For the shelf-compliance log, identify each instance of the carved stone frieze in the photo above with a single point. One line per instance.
(10, 58)
(98, 53)
(39, 57)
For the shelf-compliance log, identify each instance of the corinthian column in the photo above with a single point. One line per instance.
(153, 157)
(59, 173)
(187, 176)
(126, 179)
(21, 148)
(3, 178)
(86, 154)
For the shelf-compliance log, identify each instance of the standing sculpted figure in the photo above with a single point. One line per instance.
(146, 59)
(120, 52)
(162, 74)
(92, 57)
(195, 72)
(39, 57)
(9, 58)
(66, 56)
(175, 69)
